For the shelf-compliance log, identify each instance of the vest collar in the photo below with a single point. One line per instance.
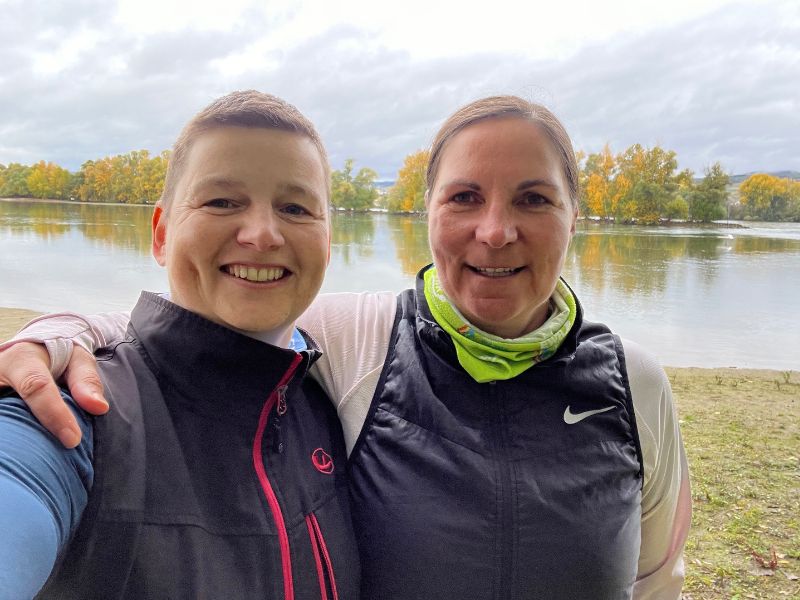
(220, 371)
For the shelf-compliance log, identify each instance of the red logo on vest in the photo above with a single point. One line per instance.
(322, 461)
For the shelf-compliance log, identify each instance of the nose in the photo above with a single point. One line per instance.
(497, 227)
(260, 230)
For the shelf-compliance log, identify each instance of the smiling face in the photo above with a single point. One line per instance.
(245, 240)
(500, 220)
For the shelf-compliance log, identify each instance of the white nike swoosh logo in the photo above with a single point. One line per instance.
(571, 418)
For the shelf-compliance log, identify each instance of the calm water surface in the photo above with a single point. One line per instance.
(695, 297)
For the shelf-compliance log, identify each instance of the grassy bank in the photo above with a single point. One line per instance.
(742, 434)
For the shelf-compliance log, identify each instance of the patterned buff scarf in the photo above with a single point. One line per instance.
(487, 357)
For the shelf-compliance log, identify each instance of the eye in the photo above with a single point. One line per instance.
(295, 210)
(219, 203)
(533, 199)
(464, 197)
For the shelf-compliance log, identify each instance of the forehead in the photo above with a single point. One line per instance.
(258, 157)
(501, 145)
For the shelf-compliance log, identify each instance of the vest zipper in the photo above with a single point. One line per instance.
(506, 503)
(320, 550)
(261, 472)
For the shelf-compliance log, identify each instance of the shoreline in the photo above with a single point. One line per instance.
(12, 319)
(584, 219)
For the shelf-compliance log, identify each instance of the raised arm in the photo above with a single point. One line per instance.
(43, 351)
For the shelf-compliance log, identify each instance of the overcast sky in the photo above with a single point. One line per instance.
(714, 80)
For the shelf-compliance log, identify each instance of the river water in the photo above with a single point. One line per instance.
(705, 297)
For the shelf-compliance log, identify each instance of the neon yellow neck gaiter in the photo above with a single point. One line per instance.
(487, 357)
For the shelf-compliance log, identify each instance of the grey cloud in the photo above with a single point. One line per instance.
(722, 87)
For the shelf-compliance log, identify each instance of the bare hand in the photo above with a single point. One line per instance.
(26, 368)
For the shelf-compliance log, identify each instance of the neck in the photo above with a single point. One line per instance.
(277, 337)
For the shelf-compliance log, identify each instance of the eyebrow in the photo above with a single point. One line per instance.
(232, 184)
(212, 181)
(528, 183)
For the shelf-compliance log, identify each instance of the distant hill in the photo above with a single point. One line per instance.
(782, 174)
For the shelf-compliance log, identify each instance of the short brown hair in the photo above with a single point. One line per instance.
(495, 107)
(248, 108)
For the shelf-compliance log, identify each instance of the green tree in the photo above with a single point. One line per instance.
(649, 201)
(14, 182)
(677, 208)
(353, 192)
(708, 200)
(408, 192)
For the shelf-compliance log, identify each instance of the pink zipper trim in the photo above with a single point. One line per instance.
(315, 549)
(272, 500)
(327, 556)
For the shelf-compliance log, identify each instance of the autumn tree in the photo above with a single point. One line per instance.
(602, 184)
(134, 177)
(353, 192)
(408, 192)
(770, 198)
(48, 180)
(651, 183)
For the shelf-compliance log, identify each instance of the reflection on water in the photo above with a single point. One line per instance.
(704, 297)
(120, 226)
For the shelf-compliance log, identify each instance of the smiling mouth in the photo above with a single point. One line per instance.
(254, 274)
(495, 271)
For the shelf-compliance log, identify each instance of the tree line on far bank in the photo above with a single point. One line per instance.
(639, 185)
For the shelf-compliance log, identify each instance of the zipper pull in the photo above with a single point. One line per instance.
(282, 399)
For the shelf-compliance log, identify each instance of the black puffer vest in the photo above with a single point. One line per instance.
(219, 473)
(527, 488)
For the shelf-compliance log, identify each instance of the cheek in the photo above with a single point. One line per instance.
(445, 235)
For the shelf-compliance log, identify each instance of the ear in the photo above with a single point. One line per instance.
(159, 235)
(574, 222)
(427, 199)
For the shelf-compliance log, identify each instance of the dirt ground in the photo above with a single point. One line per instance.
(11, 319)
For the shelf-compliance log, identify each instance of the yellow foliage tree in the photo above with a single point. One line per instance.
(408, 192)
(600, 173)
(770, 198)
(48, 180)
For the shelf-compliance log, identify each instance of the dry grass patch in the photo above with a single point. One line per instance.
(742, 434)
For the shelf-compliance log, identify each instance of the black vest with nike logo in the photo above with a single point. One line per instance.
(462, 490)
(219, 473)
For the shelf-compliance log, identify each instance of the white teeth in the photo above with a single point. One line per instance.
(254, 274)
(495, 271)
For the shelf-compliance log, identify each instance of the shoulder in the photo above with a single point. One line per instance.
(650, 388)
(646, 376)
(348, 304)
(656, 418)
(334, 319)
